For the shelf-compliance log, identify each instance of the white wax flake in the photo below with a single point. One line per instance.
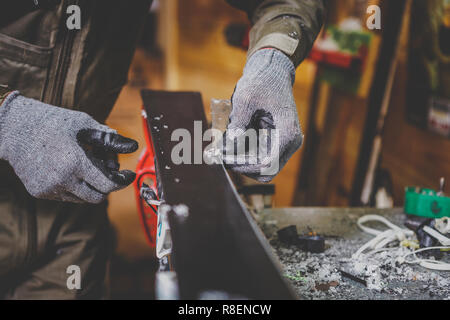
(157, 118)
(177, 180)
(167, 167)
(182, 211)
(385, 278)
(165, 126)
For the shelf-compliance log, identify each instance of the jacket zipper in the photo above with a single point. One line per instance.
(63, 59)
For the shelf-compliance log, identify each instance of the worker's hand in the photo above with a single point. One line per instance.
(263, 99)
(60, 154)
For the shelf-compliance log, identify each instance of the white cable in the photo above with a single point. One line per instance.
(427, 263)
(395, 233)
(373, 217)
(382, 238)
(440, 237)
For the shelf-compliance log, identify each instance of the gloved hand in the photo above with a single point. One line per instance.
(263, 99)
(60, 154)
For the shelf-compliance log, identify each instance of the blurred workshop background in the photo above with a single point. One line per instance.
(373, 125)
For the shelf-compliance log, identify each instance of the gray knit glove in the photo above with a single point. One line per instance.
(60, 154)
(263, 99)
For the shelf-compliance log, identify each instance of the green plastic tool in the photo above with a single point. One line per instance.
(427, 203)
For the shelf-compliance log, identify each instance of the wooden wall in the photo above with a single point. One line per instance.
(413, 156)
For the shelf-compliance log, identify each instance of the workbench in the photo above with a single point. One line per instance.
(315, 276)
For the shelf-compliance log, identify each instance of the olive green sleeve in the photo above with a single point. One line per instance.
(4, 92)
(290, 26)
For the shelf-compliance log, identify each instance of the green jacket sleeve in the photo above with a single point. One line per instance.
(287, 25)
(4, 92)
